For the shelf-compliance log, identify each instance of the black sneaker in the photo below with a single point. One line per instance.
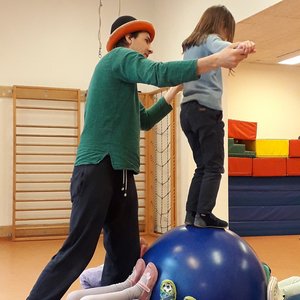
(209, 220)
(189, 218)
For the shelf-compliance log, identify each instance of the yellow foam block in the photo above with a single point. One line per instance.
(272, 148)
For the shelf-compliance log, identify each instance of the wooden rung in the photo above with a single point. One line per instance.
(46, 93)
(46, 126)
(42, 191)
(40, 238)
(46, 154)
(46, 108)
(46, 145)
(37, 227)
(43, 172)
(42, 181)
(42, 219)
(44, 163)
(42, 209)
(155, 92)
(41, 200)
(46, 135)
(7, 92)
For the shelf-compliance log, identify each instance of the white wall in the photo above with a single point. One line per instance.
(55, 43)
(268, 95)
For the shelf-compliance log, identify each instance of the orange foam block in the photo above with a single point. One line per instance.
(293, 167)
(242, 130)
(239, 166)
(270, 166)
(294, 148)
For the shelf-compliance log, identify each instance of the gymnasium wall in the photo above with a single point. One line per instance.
(268, 95)
(55, 43)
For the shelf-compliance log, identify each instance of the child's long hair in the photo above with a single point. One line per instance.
(213, 21)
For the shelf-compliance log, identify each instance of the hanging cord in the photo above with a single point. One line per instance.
(119, 13)
(99, 29)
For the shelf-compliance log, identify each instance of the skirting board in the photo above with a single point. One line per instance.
(5, 231)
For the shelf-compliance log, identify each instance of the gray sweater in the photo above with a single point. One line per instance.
(207, 90)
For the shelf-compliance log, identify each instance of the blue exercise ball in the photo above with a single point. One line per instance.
(207, 264)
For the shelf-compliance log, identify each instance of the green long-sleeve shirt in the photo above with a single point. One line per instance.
(114, 115)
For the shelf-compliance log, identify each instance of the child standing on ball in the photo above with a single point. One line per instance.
(201, 114)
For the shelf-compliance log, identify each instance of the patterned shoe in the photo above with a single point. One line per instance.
(137, 272)
(189, 298)
(148, 281)
(168, 290)
(273, 291)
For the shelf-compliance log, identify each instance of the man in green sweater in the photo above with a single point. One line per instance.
(103, 191)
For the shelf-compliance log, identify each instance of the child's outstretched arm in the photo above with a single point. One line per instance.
(227, 58)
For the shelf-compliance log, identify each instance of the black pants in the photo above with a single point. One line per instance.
(204, 130)
(98, 203)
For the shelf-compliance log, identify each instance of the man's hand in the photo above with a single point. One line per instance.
(231, 56)
(172, 92)
(247, 46)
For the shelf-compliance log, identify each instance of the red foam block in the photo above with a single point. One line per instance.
(275, 166)
(239, 166)
(293, 167)
(242, 130)
(294, 148)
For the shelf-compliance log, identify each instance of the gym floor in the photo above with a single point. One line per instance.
(21, 262)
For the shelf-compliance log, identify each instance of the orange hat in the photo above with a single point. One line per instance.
(125, 25)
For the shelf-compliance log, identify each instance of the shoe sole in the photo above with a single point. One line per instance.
(210, 226)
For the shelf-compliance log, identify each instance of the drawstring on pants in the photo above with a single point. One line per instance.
(124, 183)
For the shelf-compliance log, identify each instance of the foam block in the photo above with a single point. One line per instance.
(239, 166)
(269, 166)
(272, 148)
(293, 167)
(294, 148)
(242, 130)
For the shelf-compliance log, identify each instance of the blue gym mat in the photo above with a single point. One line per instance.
(264, 205)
